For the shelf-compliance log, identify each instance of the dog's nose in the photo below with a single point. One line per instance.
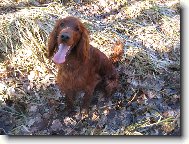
(65, 36)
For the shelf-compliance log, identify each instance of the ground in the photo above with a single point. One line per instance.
(147, 101)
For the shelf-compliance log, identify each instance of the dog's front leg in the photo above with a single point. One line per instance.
(89, 93)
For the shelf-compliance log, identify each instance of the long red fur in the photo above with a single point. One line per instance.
(85, 67)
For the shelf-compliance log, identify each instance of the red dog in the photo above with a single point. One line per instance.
(81, 67)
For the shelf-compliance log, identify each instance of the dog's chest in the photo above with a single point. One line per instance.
(72, 76)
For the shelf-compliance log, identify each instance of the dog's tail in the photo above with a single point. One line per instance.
(118, 52)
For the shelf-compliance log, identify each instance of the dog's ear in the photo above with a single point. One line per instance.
(83, 45)
(52, 41)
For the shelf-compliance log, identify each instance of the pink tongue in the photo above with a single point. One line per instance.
(60, 55)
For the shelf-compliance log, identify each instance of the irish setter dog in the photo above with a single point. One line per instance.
(81, 67)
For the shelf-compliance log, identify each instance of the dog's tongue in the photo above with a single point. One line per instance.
(60, 55)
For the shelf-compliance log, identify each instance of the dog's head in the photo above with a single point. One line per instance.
(68, 36)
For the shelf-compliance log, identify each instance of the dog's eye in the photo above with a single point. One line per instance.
(62, 24)
(76, 28)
